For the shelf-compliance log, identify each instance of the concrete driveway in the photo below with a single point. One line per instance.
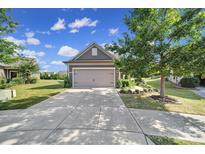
(94, 116)
(200, 91)
(76, 116)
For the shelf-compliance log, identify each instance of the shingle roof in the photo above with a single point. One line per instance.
(110, 54)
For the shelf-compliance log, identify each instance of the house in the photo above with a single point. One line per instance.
(93, 67)
(8, 71)
(175, 79)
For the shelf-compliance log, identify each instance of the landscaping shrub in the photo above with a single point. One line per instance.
(18, 80)
(31, 80)
(125, 83)
(67, 83)
(4, 84)
(190, 82)
(119, 84)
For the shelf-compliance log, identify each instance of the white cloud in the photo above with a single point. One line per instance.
(14, 40)
(31, 53)
(67, 51)
(93, 31)
(42, 62)
(30, 38)
(48, 46)
(57, 62)
(113, 31)
(29, 34)
(45, 66)
(84, 22)
(43, 32)
(74, 31)
(33, 41)
(59, 25)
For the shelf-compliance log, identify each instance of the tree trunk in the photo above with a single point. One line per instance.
(162, 86)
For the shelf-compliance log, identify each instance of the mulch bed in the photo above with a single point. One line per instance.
(165, 100)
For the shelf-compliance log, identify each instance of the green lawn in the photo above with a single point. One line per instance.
(159, 140)
(30, 94)
(189, 101)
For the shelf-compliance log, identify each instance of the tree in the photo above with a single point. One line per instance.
(8, 49)
(27, 67)
(167, 41)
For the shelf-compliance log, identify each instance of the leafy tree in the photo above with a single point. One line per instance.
(8, 49)
(27, 67)
(166, 41)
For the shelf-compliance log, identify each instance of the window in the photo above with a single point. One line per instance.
(94, 51)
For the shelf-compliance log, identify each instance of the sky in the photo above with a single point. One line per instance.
(55, 35)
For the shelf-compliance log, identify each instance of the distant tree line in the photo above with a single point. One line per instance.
(52, 76)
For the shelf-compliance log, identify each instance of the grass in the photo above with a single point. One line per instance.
(189, 101)
(30, 94)
(159, 140)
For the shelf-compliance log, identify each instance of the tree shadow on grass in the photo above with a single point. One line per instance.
(159, 140)
(24, 103)
(135, 101)
(172, 90)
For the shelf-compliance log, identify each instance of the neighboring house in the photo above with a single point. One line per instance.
(175, 79)
(93, 67)
(8, 71)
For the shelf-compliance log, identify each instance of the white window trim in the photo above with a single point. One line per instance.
(95, 68)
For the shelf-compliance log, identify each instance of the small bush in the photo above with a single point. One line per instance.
(190, 82)
(122, 83)
(4, 84)
(18, 80)
(67, 83)
(31, 80)
(119, 84)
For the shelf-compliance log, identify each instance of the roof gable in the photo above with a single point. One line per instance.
(86, 54)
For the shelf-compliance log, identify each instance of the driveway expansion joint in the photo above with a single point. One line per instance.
(138, 125)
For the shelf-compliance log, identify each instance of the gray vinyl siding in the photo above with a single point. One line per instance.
(100, 56)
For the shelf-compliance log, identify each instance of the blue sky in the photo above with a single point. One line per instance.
(55, 35)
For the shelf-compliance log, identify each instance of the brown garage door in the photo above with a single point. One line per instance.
(88, 78)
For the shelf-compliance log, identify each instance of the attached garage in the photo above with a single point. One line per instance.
(93, 67)
(93, 77)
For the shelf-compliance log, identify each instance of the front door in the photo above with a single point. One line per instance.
(13, 75)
